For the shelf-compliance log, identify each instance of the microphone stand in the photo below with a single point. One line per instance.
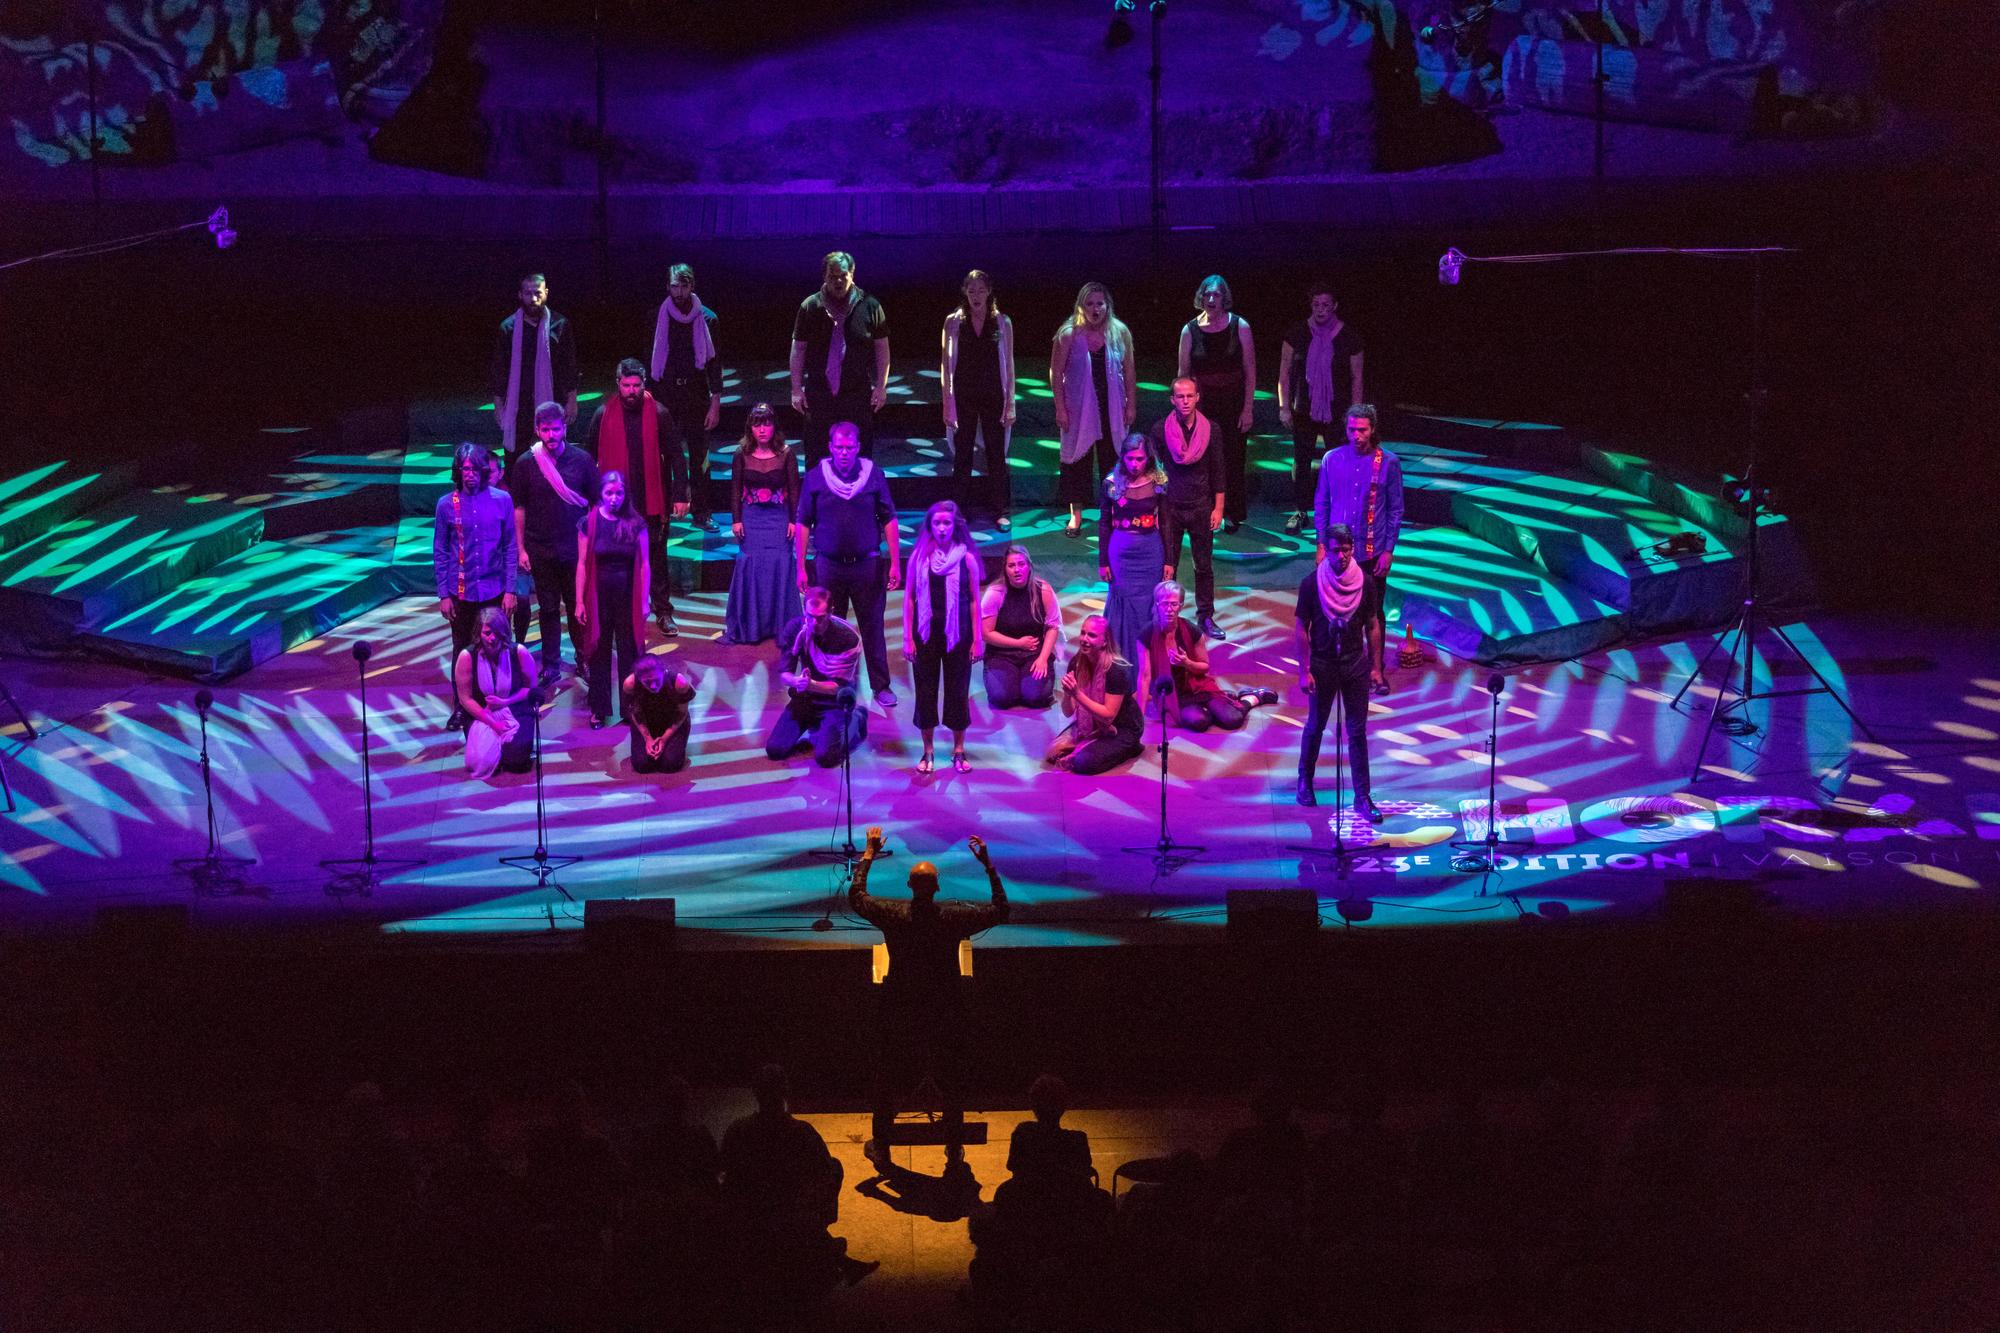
(540, 863)
(27, 729)
(848, 853)
(1479, 857)
(362, 874)
(213, 873)
(1166, 853)
(1340, 850)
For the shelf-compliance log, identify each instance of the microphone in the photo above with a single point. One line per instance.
(845, 696)
(203, 698)
(361, 650)
(1449, 265)
(1495, 683)
(219, 228)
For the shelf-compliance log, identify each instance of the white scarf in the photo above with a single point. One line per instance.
(554, 478)
(1340, 595)
(951, 564)
(830, 665)
(1187, 449)
(1081, 390)
(545, 378)
(670, 315)
(846, 490)
(1319, 370)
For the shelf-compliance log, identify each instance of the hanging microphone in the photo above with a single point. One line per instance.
(202, 699)
(219, 228)
(1449, 265)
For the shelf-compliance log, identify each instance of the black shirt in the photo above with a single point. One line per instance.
(680, 356)
(1346, 346)
(549, 529)
(671, 449)
(1196, 483)
(977, 375)
(1217, 355)
(846, 529)
(563, 378)
(659, 712)
(863, 327)
(834, 636)
(1340, 652)
(923, 937)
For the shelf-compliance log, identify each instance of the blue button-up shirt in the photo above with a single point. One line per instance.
(472, 545)
(1345, 479)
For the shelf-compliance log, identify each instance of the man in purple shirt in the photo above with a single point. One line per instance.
(1361, 485)
(472, 552)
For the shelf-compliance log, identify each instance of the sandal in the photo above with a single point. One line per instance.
(960, 762)
(1074, 528)
(1003, 523)
(926, 764)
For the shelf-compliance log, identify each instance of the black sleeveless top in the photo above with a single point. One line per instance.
(1217, 355)
(1017, 619)
(978, 370)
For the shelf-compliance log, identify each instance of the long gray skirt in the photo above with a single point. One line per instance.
(1136, 558)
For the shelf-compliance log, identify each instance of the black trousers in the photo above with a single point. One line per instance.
(920, 1035)
(1077, 483)
(979, 416)
(1008, 684)
(1351, 688)
(1191, 519)
(954, 666)
(467, 631)
(660, 597)
(824, 410)
(1310, 441)
(555, 593)
(861, 597)
(832, 731)
(673, 755)
(686, 402)
(1103, 754)
(614, 630)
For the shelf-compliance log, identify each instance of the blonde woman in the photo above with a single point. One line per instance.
(1094, 378)
(1098, 692)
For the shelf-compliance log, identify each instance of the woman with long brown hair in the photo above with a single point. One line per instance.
(763, 507)
(613, 571)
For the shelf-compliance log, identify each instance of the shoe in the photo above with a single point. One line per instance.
(598, 721)
(1258, 696)
(1213, 630)
(1307, 796)
(668, 626)
(1369, 810)
(1380, 686)
(1003, 523)
(885, 697)
(706, 522)
(1294, 524)
(1074, 528)
(459, 719)
(1231, 524)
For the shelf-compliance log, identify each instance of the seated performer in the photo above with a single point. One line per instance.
(1023, 624)
(472, 550)
(1097, 691)
(496, 680)
(657, 696)
(1336, 609)
(1174, 661)
(820, 663)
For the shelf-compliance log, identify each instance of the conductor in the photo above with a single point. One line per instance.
(921, 1021)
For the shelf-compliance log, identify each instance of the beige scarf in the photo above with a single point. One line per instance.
(670, 315)
(554, 478)
(950, 563)
(545, 378)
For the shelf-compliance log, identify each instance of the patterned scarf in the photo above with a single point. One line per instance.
(846, 490)
(670, 315)
(545, 376)
(1340, 595)
(1319, 370)
(950, 563)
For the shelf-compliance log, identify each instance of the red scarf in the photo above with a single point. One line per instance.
(614, 454)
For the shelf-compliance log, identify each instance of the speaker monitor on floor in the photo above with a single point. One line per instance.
(629, 923)
(1272, 914)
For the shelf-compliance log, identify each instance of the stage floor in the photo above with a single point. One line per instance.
(1594, 779)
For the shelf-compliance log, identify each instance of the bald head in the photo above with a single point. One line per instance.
(923, 881)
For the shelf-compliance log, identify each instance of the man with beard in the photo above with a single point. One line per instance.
(534, 362)
(631, 434)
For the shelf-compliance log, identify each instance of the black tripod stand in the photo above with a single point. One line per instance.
(541, 863)
(213, 873)
(363, 874)
(1166, 853)
(848, 699)
(1340, 851)
(1730, 711)
(1480, 857)
(27, 728)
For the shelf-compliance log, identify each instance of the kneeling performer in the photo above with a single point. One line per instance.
(821, 666)
(1336, 607)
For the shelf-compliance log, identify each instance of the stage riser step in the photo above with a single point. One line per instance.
(50, 495)
(99, 566)
(1674, 493)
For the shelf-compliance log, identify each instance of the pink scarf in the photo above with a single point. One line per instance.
(1187, 448)
(1340, 595)
(670, 315)
(1319, 370)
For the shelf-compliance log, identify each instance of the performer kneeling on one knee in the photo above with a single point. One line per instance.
(1336, 608)
(1023, 624)
(1098, 691)
(656, 705)
(820, 664)
(496, 680)
(1173, 663)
